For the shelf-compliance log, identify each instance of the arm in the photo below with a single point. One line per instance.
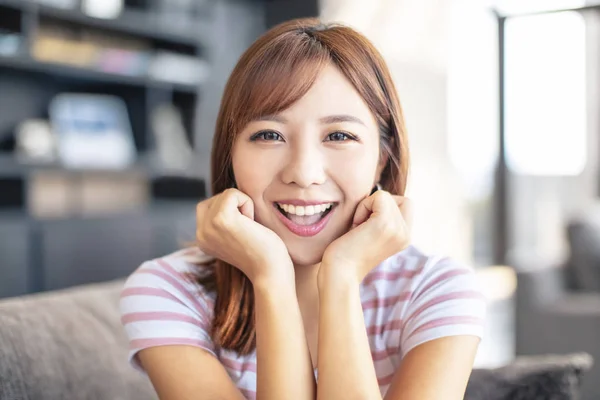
(283, 360)
(424, 372)
(176, 374)
(226, 228)
(444, 303)
(346, 369)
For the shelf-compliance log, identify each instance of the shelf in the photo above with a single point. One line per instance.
(11, 167)
(73, 72)
(145, 164)
(129, 22)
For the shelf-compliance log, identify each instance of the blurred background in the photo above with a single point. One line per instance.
(107, 111)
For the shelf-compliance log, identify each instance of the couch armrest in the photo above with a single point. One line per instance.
(578, 304)
(540, 286)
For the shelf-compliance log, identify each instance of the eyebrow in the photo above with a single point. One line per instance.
(330, 119)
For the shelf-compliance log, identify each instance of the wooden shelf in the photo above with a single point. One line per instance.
(11, 167)
(132, 23)
(145, 164)
(73, 72)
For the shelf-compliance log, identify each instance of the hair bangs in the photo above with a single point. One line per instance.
(282, 75)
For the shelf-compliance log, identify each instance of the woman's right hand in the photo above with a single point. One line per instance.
(225, 228)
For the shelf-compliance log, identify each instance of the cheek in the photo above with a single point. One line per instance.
(354, 174)
(252, 174)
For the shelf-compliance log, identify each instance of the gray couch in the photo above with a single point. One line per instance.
(69, 344)
(558, 307)
(551, 318)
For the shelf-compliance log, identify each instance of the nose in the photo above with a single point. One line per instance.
(305, 166)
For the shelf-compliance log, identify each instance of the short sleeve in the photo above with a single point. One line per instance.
(159, 307)
(447, 301)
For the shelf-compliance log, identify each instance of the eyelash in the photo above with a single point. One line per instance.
(261, 136)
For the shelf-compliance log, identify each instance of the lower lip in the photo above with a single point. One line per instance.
(304, 230)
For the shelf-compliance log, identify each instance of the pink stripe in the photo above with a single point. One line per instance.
(138, 344)
(177, 285)
(238, 366)
(190, 277)
(443, 277)
(382, 302)
(163, 263)
(248, 394)
(456, 320)
(190, 251)
(403, 271)
(378, 330)
(148, 291)
(469, 294)
(159, 316)
(389, 276)
(385, 353)
(386, 380)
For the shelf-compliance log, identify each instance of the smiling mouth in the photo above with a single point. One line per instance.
(313, 217)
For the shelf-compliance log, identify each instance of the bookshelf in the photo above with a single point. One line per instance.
(41, 252)
(29, 79)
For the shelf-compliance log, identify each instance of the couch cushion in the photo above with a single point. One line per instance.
(584, 242)
(550, 377)
(67, 344)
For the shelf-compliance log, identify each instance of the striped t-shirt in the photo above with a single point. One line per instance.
(408, 299)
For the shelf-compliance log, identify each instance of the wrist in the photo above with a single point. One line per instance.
(277, 275)
(277, 293)
(337, 274)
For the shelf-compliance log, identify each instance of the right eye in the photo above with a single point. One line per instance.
(268, 136)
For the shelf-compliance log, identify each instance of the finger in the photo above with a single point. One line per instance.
(235, 199)
(376, 203)
(209, 203)
(203, 210)
(361, 214)
(406, 209)
(404, 205)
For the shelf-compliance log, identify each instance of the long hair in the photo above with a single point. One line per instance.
(276, 71)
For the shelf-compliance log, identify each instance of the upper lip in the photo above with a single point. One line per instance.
(297, 202)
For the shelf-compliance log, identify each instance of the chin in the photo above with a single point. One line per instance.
(303, 257)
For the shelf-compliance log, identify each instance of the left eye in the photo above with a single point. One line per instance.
(339, 137)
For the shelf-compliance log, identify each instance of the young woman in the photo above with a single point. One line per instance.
(303, 283)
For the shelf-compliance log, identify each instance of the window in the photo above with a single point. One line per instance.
(545, 117)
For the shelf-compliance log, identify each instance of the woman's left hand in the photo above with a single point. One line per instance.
(380, 229)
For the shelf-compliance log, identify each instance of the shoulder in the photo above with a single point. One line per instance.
(414, 270)
(162, 303)
(173, 277)
(425, 297)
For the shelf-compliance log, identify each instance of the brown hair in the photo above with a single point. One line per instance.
(275, 72)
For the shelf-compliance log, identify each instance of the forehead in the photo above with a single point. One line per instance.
(331, 94)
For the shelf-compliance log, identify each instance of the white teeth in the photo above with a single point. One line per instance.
(305, 210)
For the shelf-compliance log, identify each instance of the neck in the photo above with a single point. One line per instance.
(307, 291)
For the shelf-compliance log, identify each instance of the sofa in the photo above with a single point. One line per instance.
(69, 344)
(558, 306)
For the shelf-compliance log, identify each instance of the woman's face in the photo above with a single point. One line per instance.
(307, 168)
